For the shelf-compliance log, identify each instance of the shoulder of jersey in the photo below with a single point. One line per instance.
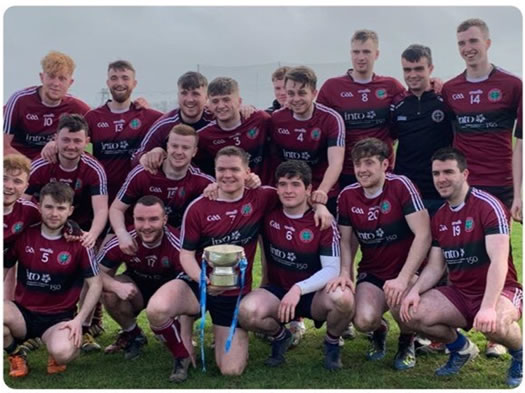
(508, 74)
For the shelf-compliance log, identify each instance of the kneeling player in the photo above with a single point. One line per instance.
(301, 259)
(155, 262)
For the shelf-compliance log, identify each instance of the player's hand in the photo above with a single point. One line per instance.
(485, 320)
(127, 244)
(286, 311)
(319, 196)
(141, 103)
(322, 217)
(75, 331)
(153, 159)
(211, 191)
(409, 305)
(516, 210)
(88, 239)
(72, 231)
(125, 290)
(437, 85)
(50, 152)
(394, 290)
(253, 181)
(247, 110)
(343, 282)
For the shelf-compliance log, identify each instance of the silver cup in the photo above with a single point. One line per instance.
(223, 258)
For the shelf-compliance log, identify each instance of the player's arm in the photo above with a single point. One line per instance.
(346, 275)
(264, 264)
(517, 178)
(99, 204)
(419, 224)
(118, 223)
(153, 159)
(322, 217)
(8, 149)
(190, 265)
(50, 152)
(336, 156)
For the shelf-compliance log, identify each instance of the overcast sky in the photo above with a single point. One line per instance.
(246, 43)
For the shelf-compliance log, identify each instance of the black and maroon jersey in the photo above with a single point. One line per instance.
(32, 123)
(24, 214)
(116, 137)
(307, 140)
(250, 135)
(87, 179)
(176, 194)
(208, 223)
(485, 113)
(365, 109)
(158, 264)
(460, 233)
(158, 133)
(293, 247)
(51, 271)
(380, 225)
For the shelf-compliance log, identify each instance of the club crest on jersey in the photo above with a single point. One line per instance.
(165, 262)
(182, 192)
(306, 236)
(385, 207)
(135, 124)
(64, 258)
(78, 184)
(252, 134)
(437, 116)
(495, 95)
(381, 94)
(469, 224)
(316, 134)
(247, 209)
(17, 227)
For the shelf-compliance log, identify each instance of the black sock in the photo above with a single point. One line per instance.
(12, 348)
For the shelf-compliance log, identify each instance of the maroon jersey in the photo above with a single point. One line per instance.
(460, 233)
(115, 137)
(176, 194)
(380, 225)
(158, 264)
(87, 179)
(51, 271)
(208, 223)
(32, 123)
(485, 112)
(307, 140)
(293, 247)
(365, 109)
(24, 214)
(250, 136)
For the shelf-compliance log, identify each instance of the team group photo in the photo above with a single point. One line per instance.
(262, 197)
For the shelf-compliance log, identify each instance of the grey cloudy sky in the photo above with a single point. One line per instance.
(246, 43)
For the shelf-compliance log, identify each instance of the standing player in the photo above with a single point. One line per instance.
(362, 98)
(470, 238)
(31, 115)
(156, 261)
(393, 228)
(51, 273)
(176, 183)
(278, 89)
(300, 260)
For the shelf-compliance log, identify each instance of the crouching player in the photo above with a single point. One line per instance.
(301, 259)
(50, 276)
(155, 262)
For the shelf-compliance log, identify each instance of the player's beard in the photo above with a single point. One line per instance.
(154, 240)
(120, 96)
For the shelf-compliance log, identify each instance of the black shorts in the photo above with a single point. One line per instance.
(146, 287)
(505, 194)
(37, 323)
(367, 277)
(221, 308)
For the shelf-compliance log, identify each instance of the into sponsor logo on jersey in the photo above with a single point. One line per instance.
(306, 236)
(495, 95)
(438, 115)
(469, 224)
(64, 258)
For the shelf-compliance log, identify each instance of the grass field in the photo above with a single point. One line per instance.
(303, 369)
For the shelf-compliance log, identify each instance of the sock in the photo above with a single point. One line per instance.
(170, 335)
(516, 354)
(457, 344)
(280, 334)
(12, 348)
(382, 328)
(133, 330)
(332, 340)
(406, 338)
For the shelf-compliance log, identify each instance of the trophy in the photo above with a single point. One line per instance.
(223, 258)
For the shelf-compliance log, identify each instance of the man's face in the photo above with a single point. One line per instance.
(192, 101)
(54, 214)
(15, 183)
(121, 83)
(300, 97)
(71, 144)
(364, 55)
(279, 91)
(181, 149)
(231, 173)
(149, 222)
(226, 107)
(473, 46)
(448, 179)
(417, 74)
(370, 171)
(55, 85)
(292, 191)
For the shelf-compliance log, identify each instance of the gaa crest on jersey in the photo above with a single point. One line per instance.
(247, 209)
(165, 262)
(469, 224)
(78, 184)
(135, 124)
(316, 134)
(64, 258)
(495, 95)
(306, 236)
(385, 207)
(437, 116)
(252, 134)
(17, 227)
(381, 94)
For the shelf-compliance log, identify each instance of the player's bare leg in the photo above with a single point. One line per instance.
(14, 327)
(60, 347)
(234, 361)
(258, 312)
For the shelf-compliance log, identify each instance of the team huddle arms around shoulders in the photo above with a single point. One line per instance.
(183, 199)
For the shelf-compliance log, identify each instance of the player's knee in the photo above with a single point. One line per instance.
(248, 313)
(343, 301)
(63, 351)
(109, 299)
(157, 311)
(366, 322)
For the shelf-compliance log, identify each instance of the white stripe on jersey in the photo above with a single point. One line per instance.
(174, 240)
(91, 162)
(37, 164)
(211, 123)
(336, 250)
(11, 104)
(183, 224)
(26, 202)
(496, 206)
(112, 244)
(153, 129)
(92, 260)
(198, 172)
(134, 172)
(507, 72)
(352, 186)
(414, 194)
(340, 123)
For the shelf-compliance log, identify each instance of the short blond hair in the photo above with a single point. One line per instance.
(474, 22)
(17, 162)
(57, 62)
(364, 34)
